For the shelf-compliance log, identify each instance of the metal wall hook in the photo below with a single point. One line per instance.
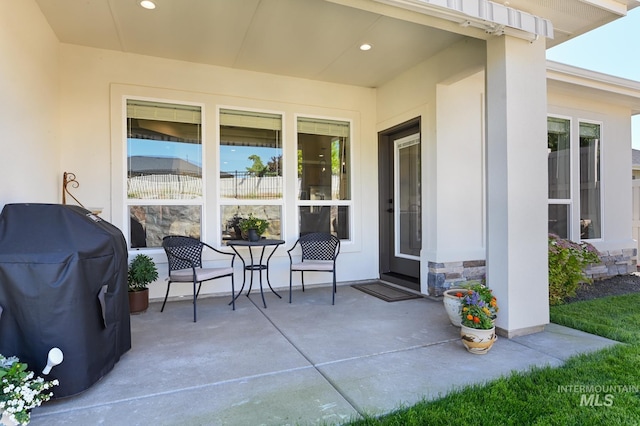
(69, 179)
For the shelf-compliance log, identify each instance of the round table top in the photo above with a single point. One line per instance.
(260, 242)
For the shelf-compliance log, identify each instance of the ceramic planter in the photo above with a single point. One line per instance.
(452, 305)
(253, 235)
(477, 341)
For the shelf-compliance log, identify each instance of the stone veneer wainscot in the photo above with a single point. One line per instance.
(443, 276)
(614, 262)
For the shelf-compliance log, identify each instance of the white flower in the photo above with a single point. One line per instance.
(20, 390)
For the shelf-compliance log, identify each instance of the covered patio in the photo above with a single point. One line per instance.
(470, 78)
(302, 363)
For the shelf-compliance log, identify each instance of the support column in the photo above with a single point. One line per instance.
(516, 156)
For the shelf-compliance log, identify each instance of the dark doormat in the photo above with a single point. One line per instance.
(385, 292)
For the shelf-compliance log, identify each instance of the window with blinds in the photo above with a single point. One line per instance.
(575, 205)
(559, 175)
(323, 168)
(164, 171)
(250, 170)
(590, 182)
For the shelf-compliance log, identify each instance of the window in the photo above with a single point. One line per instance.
(590, 226)
(574, 193)
(164, 171)
(324, 191)
(559, 171)
(559, 220)
(250, 170)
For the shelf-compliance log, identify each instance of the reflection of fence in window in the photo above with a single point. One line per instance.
(245, 185)
(171, 187)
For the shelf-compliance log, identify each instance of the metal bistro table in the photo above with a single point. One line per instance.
(260, 266)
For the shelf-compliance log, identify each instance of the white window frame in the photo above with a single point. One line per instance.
(574, 193)
(602, 181)
(210, 105)
(567, 201)
(328, 203)
(127, 203)
(223, 201)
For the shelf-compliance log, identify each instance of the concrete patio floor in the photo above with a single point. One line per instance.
(303, 363)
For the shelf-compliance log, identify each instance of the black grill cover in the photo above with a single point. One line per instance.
(63, 282)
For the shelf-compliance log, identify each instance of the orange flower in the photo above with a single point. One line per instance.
(476, 320)
(458, 294)
(470, 317)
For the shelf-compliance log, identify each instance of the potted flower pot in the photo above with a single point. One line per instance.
(21, 391)
(477, 328)
(6, 420)
(142, 271)
(253, 235)
(138, 301)
(253, 227)
(477, 341)
(452, 304)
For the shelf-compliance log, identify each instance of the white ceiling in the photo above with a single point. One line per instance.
(313, 39)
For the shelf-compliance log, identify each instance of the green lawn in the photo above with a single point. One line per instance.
(541, 396)
(615, 317)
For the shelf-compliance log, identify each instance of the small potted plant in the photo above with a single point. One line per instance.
(20, 392)
(477, 328)
(142, 272)
(254, 227)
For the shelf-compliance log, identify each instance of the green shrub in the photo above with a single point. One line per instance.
(567, 262)
(142, 271)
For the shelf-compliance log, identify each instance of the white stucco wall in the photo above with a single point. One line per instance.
(460, 201)
(94, 82)
(30, 159)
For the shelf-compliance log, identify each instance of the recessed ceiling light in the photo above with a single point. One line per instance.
(365, 46)
(148, 4)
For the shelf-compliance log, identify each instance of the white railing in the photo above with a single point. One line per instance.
(238, 185)
(245, 186)
(153, 187)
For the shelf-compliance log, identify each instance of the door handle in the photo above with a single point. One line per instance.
(390, 210)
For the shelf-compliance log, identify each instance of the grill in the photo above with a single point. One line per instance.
(63, 283)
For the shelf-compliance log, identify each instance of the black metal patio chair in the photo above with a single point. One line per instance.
(319, 253)
(185, 265)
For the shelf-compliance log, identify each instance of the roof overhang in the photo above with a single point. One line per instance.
(317, 39)
(619, 7)
(494, 18)
(604, 87)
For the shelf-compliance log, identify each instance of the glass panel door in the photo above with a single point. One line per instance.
(407, 203)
